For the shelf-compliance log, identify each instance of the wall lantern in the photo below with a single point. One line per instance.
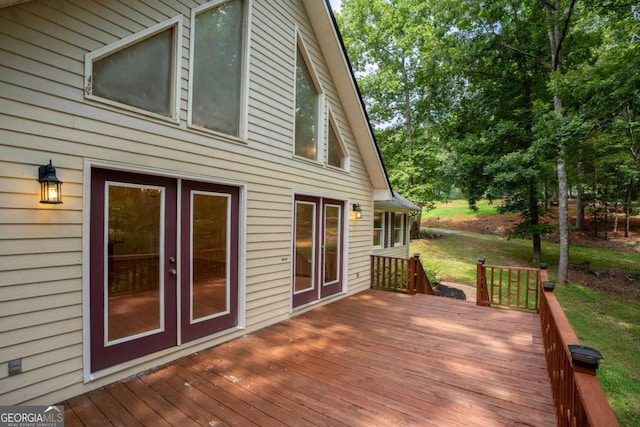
(585, 356)
(358, 210)
(50, 185)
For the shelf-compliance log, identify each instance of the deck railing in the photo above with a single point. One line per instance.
(510, 287)
(399, 274)
(577, 394)
(578, 397)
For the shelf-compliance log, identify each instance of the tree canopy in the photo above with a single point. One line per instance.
(519, 101)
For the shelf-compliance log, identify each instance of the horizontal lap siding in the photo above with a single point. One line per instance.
(43, 115)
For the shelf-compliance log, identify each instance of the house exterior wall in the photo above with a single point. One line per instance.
(389, 248)
(44, 115)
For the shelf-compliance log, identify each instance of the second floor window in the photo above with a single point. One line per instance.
(217, 61)
(307, 111)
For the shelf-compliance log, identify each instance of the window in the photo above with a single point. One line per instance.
(217, 58)
(138, 72)
(378, 229)
(307, 111)
(336, 151)
(398, 229)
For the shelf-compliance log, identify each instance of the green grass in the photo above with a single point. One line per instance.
(457, 209)
(612, 325)
(606, 322)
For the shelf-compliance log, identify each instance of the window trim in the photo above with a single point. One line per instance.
(301, 47)
(333, 125)
(91, 57)
(244, 91)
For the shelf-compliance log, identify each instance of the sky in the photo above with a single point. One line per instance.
(335, 5)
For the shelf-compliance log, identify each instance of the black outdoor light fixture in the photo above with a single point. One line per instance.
(50, 185)
(586, 357)
(358, 210)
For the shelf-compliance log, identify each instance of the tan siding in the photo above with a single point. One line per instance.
(43, 115)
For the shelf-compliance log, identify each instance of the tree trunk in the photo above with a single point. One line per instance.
(534, 218)
(557, 35)
(580, 199)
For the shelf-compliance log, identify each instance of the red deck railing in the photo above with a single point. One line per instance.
(510, 287)
(578, 397)
(577, 394)
(399, 274)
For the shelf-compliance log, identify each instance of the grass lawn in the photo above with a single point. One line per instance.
(606, 322)
(459, 208)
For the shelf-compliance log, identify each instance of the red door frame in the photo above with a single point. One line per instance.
(318, 290)
(102, 355)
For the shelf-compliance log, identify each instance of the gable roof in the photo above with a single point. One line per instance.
(334, 51)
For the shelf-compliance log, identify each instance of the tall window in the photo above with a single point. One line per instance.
(138, 72)
(217, 61)
(307, 116)
(378, 229)
(398, 229)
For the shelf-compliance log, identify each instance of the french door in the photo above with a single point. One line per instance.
(318, 248)
(137, 271)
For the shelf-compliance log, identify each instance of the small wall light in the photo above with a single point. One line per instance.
(50, 185)
(358, 210)
(586, 357)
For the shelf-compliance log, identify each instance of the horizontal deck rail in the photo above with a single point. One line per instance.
(399, 274)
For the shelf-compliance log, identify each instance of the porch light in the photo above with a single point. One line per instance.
(586, 357)
(358, 210)
(50, 185)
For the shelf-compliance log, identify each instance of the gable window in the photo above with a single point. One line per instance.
(138, 72)
(217, 58)
(336, 151)
(378, 229)
(307, 110)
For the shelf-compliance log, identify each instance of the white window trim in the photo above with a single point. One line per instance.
(104, 51)
(300, 46)
(336, 130)
(244, 92)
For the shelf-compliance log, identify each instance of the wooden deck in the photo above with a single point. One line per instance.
(373, 359)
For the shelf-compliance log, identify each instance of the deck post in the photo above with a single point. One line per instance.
(420, 285)
(413, 275)
(482, 294)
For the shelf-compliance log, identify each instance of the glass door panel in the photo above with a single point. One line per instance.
(134, 238)
(209, 251)
(305, 246)
(331, 243)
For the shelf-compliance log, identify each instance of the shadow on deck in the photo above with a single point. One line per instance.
(373, 359)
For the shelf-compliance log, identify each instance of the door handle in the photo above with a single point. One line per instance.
(173, 271)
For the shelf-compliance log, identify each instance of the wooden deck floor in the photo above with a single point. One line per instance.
(373, 359)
